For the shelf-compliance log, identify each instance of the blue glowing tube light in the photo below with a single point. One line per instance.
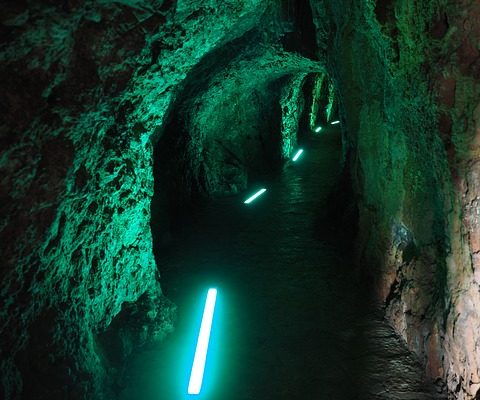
(259, 193)
(198, 367)
(299, 153)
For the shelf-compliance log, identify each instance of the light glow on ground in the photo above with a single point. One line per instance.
(335, 122)
(259, 193)
(299, 153)
(198, 367)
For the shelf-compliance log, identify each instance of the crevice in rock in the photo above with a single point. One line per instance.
(385, 11)
(300, 37)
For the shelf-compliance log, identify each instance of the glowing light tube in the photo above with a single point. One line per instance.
(335, 122)
(299, 153)
(198, 367)
(259, 193)
(318, 129)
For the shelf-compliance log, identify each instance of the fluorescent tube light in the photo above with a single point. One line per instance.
(259, 193)
(299, 153)
(198, 367)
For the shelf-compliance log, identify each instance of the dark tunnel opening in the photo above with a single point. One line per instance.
(221, 166)
(182, 188)
(301, 34)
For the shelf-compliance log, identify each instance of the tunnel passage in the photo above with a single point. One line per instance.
(225, 136)
(240, 147)
(90, 89)
(232, 125)
(292, 320)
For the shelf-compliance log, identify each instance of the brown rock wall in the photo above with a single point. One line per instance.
(407, 76)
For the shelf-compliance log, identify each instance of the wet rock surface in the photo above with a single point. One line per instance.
(293, 321)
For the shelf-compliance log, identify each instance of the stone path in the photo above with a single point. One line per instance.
(291, 320)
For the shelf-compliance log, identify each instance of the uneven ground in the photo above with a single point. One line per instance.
(292, 321)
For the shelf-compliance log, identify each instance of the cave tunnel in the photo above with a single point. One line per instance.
(142, 261)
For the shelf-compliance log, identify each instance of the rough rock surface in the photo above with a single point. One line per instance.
(407, 74)
(88, 88)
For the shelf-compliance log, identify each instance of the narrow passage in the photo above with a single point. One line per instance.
(292, 321)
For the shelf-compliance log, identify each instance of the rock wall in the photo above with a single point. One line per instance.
(86, 87)
(406, 73)
(292, 103)
(90, 90)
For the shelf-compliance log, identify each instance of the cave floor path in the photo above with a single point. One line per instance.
(291, 322)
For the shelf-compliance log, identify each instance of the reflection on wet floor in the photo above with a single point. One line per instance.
(292, 322)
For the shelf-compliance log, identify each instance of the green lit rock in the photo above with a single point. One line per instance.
(292, 103)
(88, 87)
